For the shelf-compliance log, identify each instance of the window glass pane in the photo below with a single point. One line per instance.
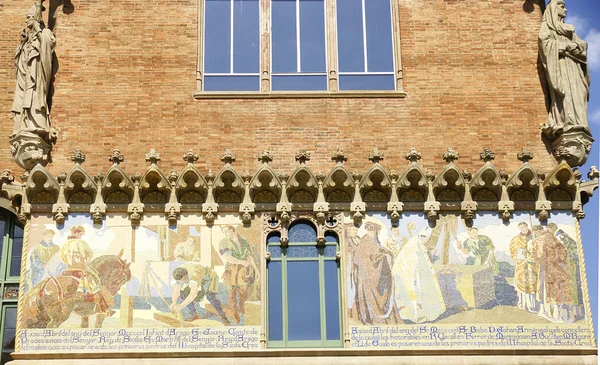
(246, 36)
(275, 302)
(302, 251)
(304, 318)
(312, 36)
(350, 36)
(217, 36)
(275, 251)
(379, 36)
(367, 82)
(330, 251)
(18, 231)
(332, 310)
(299, 83)
(17, 248)
(302, 232)
(283, 36)
(229, 83)
(8, 333)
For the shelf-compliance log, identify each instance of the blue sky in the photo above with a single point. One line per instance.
(585, 15)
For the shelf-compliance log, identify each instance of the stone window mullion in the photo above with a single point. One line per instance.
(332, 50)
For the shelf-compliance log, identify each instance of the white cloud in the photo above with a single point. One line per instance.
(593, 39)
(580, 23)
(595, 117)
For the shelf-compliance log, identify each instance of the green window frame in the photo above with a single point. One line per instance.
(10, 270)
(282, 286)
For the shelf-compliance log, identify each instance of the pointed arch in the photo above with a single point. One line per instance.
(486, 184)
(338, 186)
(229, 186)
(561, 183)
(154, 186)
(302, 186)
(191, 187)
(523, 184)
(412, 185)
(265, 186)
(376, 187)
(449, 185)
(41, 186)
(117, 188)
(80, 188)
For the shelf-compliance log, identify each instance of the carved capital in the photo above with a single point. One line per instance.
(572, 147)
(29, 150)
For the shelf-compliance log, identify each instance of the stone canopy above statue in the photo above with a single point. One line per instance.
(564, 58)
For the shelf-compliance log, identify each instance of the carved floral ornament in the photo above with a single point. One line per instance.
(304, 190)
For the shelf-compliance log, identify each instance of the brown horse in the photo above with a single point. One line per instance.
(52, 301)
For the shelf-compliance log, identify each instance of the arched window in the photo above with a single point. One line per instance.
(10, 270)
(303, 290)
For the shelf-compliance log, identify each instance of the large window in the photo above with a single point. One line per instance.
(303, 290)
(299, 45)
(10, 269)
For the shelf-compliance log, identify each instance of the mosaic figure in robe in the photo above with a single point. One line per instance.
(526, 270)
(417, 291)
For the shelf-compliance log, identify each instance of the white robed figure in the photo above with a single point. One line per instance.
(417, 290)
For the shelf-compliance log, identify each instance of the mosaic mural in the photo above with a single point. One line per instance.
(449, 284)
(194, 281)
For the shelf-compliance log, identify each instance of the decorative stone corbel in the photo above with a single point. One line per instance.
(468, 206)
(173, 207)
(210, 207)
(431, 207)
(321, 207)
(573, 147)
(98, 208)
(136, 207)
(505, 205)
(284, 207)
(25, 210)
(542, 206)
(357, 206)
(61, 208)
(588, 187)
(247, 207)
(577, 208)
(10, 189)
(394, 206)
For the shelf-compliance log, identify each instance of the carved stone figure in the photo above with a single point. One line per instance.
(35, 64)
(564, 57)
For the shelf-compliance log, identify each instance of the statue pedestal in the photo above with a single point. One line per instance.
(29, 150)
(573, 146)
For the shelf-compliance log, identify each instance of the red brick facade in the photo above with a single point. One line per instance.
(127, 75)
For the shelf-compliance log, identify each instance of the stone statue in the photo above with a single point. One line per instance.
(564, 57)
(35, 64)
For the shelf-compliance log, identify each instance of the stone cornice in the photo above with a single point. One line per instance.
(304, 189)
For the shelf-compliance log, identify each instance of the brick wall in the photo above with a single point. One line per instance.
(127, 75)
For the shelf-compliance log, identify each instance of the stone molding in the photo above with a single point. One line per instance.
(305, 190)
